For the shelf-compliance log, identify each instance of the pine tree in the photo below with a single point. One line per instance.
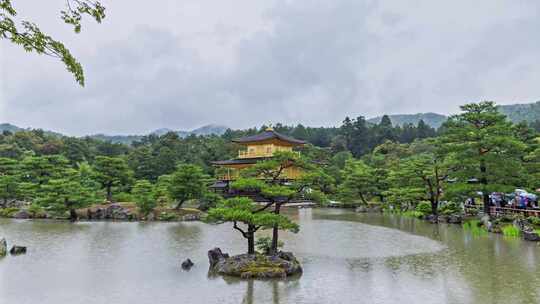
(488, 150)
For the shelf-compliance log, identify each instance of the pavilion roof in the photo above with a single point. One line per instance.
(268, 134)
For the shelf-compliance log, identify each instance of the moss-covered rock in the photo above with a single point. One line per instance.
(128, 211)
(258, 266)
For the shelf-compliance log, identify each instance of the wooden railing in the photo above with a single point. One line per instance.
(507, 210)
(248, 154)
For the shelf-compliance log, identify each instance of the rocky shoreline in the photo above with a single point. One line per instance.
(524, 226)
(108, 212)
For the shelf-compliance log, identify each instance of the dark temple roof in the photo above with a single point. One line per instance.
(267, 135)
(238, 161)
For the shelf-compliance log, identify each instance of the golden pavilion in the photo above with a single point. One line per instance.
(256, 148)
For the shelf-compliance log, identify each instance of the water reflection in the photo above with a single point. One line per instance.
(495, 269)
(347, 258)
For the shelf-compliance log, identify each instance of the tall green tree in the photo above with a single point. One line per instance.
(384, 130)
(424, 131)
(487, 147)
(359, 181)
(65, 194)
(423, 177)
(161, 189)
(187, 182)
(40, 169)
(268, 178)
(144, 194)
(111, 172)
(9, 179)
(242, 210)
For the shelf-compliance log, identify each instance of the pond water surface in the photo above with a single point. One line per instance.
(347, 258)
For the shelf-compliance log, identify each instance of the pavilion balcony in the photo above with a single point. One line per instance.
(233, 174)
(260, 154)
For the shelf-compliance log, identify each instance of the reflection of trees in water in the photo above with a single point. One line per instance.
(495, 269)
(249, 297)
(184, 232)
(113, 239)
(254, 295)
(55, 227)
(44, 233)
(498, 270)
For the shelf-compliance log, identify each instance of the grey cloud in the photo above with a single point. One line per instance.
(296, 61)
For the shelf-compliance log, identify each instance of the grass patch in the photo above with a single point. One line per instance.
(511, 231)
(475, 227)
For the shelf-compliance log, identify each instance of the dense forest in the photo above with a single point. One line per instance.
(366, 162)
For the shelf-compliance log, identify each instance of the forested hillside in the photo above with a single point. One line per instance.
(529, 112)
(432, 119)
(361, 160)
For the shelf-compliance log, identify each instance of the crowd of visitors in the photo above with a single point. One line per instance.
(519, 199)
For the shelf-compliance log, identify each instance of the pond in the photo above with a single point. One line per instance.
(347, 258)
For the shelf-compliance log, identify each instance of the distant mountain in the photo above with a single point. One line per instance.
(117, 139)
(206, 130)
(162, 131)
(210, 129)
(13, 128)
(432, 119)
(528, 112)
(9, 127)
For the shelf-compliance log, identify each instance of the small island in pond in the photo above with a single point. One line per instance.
(265, 177)
(259, 266)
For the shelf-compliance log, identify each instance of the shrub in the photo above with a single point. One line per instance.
(209, 200)
(317, 197)
(264, 244)
(507, 218)
(36, 210)
(472, 212)
(123, 197)
(534, 220)
(424, 208)
(450, 208)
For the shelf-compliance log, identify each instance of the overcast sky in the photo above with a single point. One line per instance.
(182, 64)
